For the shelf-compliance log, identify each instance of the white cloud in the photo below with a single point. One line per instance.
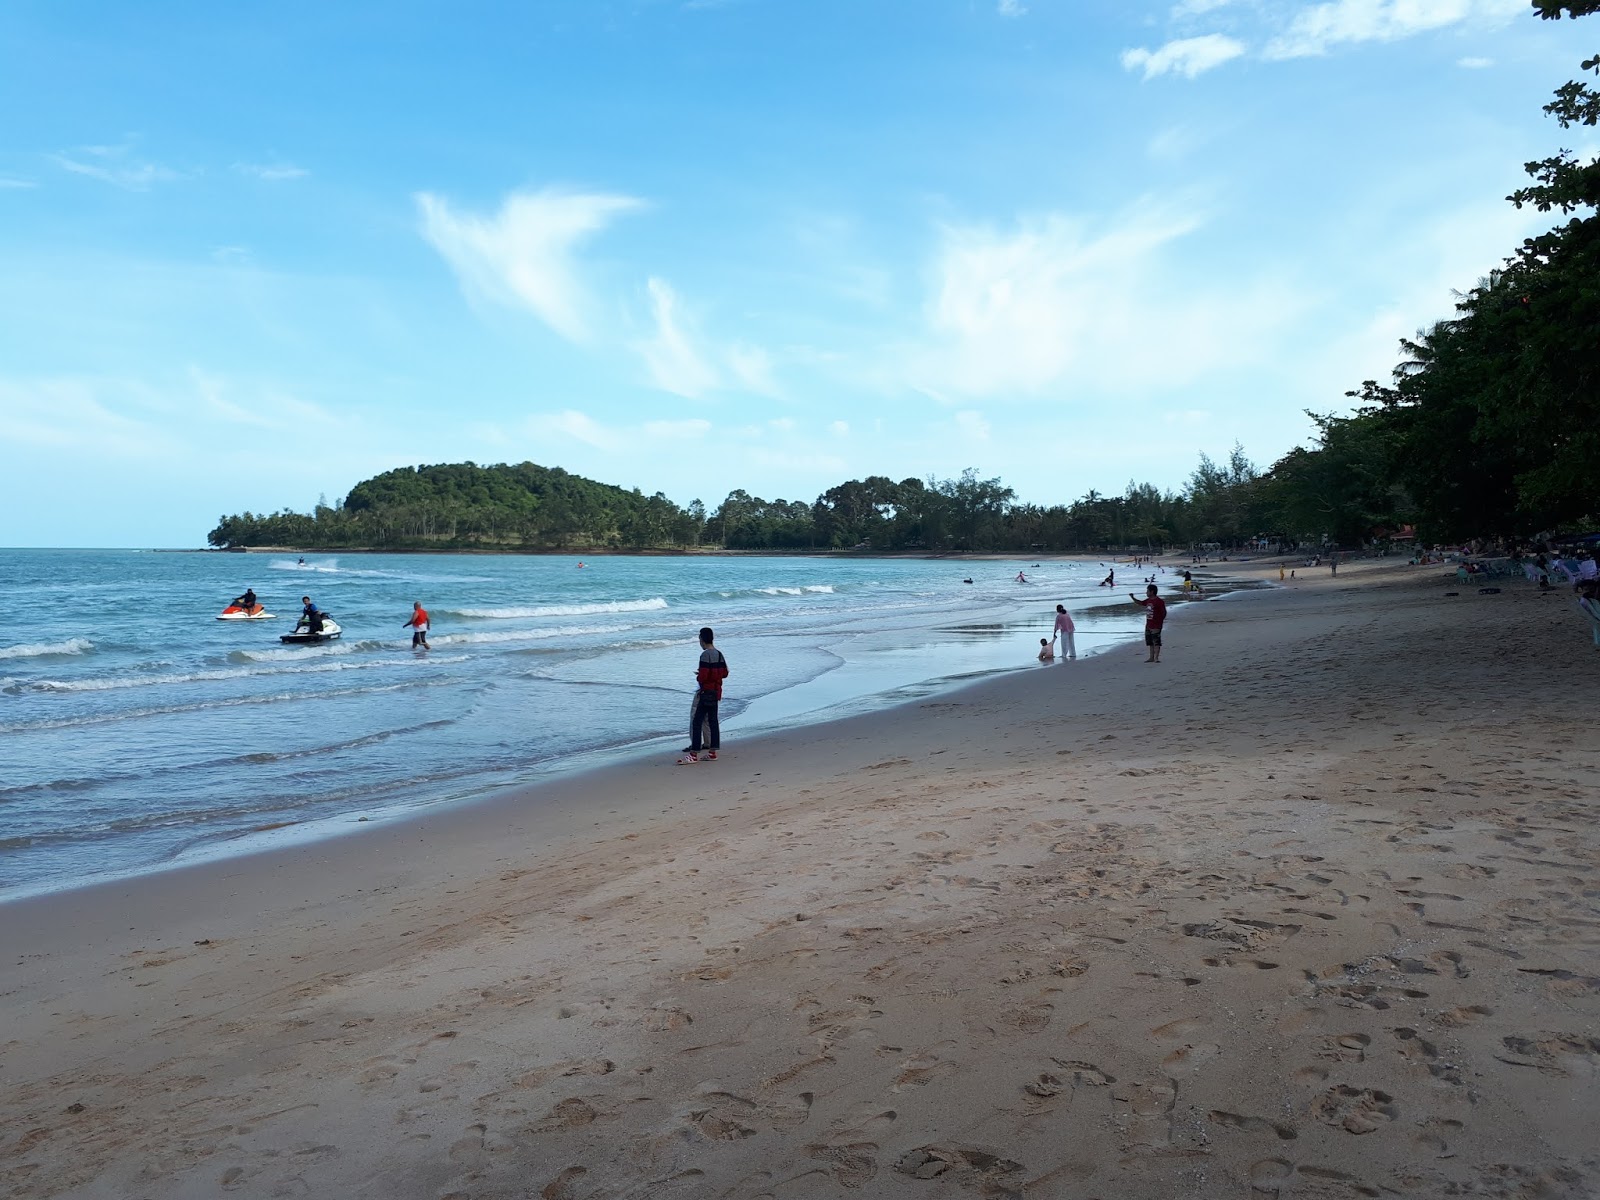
(1194, 8)
(80, 415)
(257, 406)
(271, 172)
(11, 183)
(115, 165)
(1060, 308)
(1022, 311)
(840, 429)
(1011, 8)
(751, 367)
(1188, 57)
(676, 364)
(682, 360)
(1323, 26)
(580, 427)
(525, 255)
(1475, 64)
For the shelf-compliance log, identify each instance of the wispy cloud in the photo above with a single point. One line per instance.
(1324, 26)
(115, 165)
(11, 183)
(1055, 306)
(1475, 64)
(1194, 8)
(77, 414)
(275, 172)
(526, 254)
(1011, 8)
(1188, 57)
(676, 362)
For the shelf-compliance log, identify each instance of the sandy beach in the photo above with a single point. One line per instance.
(1306, 910)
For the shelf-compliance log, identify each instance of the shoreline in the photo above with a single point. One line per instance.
(1303, 907)
(763, 711)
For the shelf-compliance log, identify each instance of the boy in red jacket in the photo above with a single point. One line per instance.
(705, 731)
(1155, 616)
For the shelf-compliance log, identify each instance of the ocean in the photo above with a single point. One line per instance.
(138, 732)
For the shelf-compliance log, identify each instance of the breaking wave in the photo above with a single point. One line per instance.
(75, 645)
(558, 610)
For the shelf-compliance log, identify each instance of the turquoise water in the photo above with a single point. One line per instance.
(139, 732)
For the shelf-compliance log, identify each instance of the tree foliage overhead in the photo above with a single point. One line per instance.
(1489, 426)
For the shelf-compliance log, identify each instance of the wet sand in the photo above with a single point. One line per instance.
(1308, 909)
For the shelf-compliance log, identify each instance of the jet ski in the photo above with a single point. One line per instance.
(238, 612)
(304, 635)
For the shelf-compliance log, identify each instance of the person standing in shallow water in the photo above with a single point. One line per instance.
(705, 730)
(418, 624)
(1064, 631)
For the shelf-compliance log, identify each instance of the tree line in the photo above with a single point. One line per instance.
(1488, 427)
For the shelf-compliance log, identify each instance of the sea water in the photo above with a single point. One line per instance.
(136, 731)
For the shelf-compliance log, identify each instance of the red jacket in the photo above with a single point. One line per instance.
(712, 671)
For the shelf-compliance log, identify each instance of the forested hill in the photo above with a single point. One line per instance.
(463, 505)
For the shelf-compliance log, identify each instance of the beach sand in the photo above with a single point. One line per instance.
(1306, 910)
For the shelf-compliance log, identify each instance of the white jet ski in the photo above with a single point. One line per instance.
(303, 635)
(237, 612)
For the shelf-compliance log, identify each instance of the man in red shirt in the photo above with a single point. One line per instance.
(418, 625)
(705, 730)
(1155, 616)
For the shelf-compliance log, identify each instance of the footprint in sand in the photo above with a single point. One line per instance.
(572, 1113)
(665, 1019)
(1355, 1110)
(1271, 1176)
(1557, 1054)
(724, 1116)
(1565, 983)
(852, 1159)
(1233, 1120)
(920, 1070)
(475, 1145)
(561, 1187)
(974, 1168)
(1437, 1137)
(1346, 1047)
(1465, 1015)
(1188, 1059)
(1416, 1049)
(1029, 1018)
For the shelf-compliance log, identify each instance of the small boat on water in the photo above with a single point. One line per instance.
(326, 630)
(238, 612)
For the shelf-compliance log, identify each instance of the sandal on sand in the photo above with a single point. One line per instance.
(688, 758)
(712, 754)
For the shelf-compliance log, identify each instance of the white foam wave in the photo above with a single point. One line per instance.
(560, 610)
(302, 653)
(75, 645)
(331, 567)
(120, 682)
(523, 635)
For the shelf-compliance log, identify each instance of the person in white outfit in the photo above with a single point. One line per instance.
(1064, 631)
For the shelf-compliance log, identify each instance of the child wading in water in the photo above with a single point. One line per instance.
(1047, 652)
(705, 731)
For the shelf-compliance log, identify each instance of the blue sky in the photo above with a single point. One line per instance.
(253, 254)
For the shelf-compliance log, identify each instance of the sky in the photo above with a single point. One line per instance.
(253, 254)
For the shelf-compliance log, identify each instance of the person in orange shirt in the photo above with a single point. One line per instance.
(418, 625)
